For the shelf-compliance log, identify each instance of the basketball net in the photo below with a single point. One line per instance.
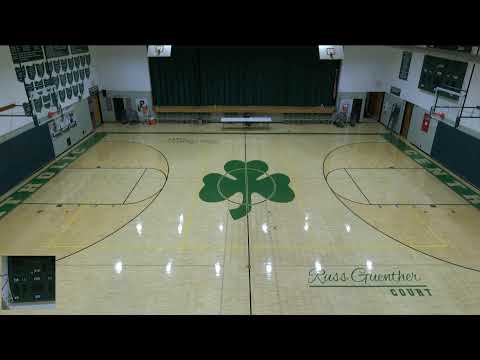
(331, 52)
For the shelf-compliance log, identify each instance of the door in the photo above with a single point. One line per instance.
(407, 117)
(373, 107)
(95, 115)
(356, 109)
(119, 109)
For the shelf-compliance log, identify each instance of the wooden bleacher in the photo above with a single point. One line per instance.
(247, 109)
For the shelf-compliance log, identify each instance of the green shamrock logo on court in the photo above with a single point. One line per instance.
(246, 178)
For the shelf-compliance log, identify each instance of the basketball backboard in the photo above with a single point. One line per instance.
(159, 50)
(330, 52)
(447, 103)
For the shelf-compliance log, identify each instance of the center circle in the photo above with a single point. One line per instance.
(243, 170)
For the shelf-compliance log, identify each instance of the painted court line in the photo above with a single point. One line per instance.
(37, 182)
(358, 187)
(443, 176)
(134, 186)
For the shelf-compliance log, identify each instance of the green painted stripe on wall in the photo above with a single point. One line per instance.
(41, 179)
(473, 197)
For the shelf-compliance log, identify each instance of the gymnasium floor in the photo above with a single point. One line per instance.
(334, 221)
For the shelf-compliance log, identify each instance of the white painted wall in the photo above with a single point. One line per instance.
(473, 99)
(410, 91)
(122, 68)
(11, 91)
(125, 68)
(365, 68)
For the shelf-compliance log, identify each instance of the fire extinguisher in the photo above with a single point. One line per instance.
(426, 122)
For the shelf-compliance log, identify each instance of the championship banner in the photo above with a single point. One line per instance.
(26, 53)
(56, 51)
(78, 49)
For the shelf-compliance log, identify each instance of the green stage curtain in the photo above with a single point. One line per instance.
(243, 76)
(174, 79)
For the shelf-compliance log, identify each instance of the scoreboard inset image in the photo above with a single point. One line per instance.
(28, 280)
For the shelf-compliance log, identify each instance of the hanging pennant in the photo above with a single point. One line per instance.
(61, 95)
(70, 63)
(55, 81)
(37, 103)
(29, 88)
(63, 79)
(87, 72)
(81, 88)
(69, 92)
(70, 78)
(46, 101)
(75, 90)
(49, 68)
(82, 60)
(27, 108)
(75, 75)
(82, 74)
(64, 64)
(40, 69)
(20, 71)
(88, 59)
(31, 72)
(54, 99)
